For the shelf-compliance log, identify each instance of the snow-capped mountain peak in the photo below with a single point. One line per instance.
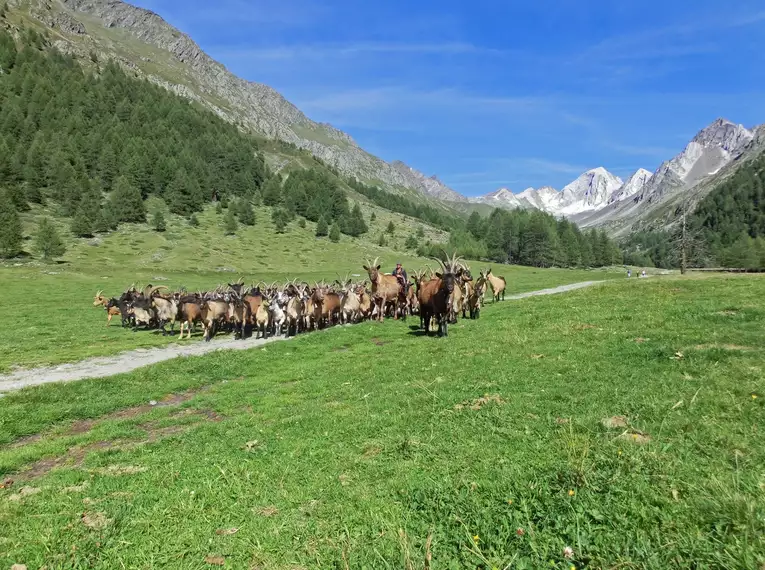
(501, 194)
(589, 192)
(634, 184)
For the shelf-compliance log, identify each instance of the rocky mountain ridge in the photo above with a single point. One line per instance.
(195, 75)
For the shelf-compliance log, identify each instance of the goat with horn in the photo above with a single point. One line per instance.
(436, 296)
(385, 288)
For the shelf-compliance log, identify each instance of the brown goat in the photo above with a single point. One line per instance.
(326, 306)
(436, 296)
(365, 302)
(112, 309)
(213, 312)
(190, 311)
(385, 288)
(497, 284)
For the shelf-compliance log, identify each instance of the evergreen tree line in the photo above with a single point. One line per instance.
(316, 196)
(534, 238)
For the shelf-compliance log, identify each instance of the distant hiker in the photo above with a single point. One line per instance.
(629, 273)
(643, 274)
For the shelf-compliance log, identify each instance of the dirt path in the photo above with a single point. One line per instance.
(128, 361)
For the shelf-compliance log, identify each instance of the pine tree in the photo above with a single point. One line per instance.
(182, 196)
(18, 197)
(420, 232)
(322, 228)
(281, 218)
(373, 217)
(246, 215)
(355, 224)
(272, 192)
(411, 242)
(391, 229)
(87, 219)
(475, 225)
(10, 228)
(193, 221)
(47, 242)
(158, 221)
(230, 224)
(110, 217)
(334, 233)
(126, 201)
(382, 242)
(301, 222)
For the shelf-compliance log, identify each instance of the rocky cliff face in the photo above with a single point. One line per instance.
(711, 149)
(255, 106)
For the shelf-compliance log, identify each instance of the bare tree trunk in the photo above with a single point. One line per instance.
(683, 249)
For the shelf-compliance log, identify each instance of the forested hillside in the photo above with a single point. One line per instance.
(94, 145)
(732, 217)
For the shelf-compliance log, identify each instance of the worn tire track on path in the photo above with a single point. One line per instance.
(104, 366)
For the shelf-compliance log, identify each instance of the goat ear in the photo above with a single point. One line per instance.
(378, 268)
(365, 268)
(438, 275)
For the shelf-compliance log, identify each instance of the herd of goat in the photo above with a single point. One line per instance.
(267, 310)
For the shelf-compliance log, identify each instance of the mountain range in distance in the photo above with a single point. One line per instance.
(599, 198)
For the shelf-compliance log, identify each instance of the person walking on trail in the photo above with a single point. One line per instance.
(400, 274)
(629, 273)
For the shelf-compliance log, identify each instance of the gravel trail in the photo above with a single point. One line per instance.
(104, 366)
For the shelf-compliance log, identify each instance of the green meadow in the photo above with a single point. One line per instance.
(613, 427)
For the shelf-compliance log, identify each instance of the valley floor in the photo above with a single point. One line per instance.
(621, 421)
(50, 309)
(132, 360)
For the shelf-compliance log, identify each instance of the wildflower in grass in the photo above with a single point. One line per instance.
(571, 493)
(476, 539)
(754, 396)
(619, 452)
(509, 501)
(568, 552)
(520, 532)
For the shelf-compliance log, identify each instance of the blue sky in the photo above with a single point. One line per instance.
(498, 93)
